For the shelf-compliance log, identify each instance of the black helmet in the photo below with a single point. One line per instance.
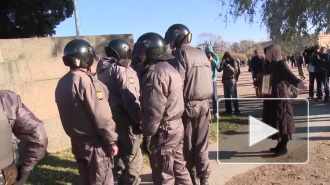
(79, 53)
(153, 45)
(119, 49)
(178, 34)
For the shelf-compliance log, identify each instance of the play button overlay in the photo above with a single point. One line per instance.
(259, 131)
(245, 139)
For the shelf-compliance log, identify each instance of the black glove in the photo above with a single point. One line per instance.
(22, 177)
(146, 145)
(137, 128)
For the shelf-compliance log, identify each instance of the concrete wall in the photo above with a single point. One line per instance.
(324, 40)
(32, 68)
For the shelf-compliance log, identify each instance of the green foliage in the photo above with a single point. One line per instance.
(284, 19)
(37, 18)
(220, 56)
(240, 56)
(55, 168)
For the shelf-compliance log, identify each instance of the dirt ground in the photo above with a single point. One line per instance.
(316, 171)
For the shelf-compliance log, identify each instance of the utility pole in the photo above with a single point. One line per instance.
(76, 17)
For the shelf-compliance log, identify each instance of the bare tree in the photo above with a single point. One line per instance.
(211, 39)
(235, 47)
(246, 46)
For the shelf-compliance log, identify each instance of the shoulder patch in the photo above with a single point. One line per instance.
(131, 80)
(149, 86)
(99, 95)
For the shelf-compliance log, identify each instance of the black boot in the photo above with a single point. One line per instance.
(121, 180)
(205, 180)
(275, 148)
(194, 178)
(282, 150)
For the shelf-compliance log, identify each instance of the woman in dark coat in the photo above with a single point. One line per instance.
(278, 113)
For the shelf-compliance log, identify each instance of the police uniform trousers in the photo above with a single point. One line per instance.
(93, 160)
(128, 162)
(197, 119)
(166, 158)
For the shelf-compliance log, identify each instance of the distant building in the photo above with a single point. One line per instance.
(324, 40)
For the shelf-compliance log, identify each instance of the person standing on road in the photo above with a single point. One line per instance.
(195, 71)
(124, 93)
(17, 119)
(311, 70)
(236, 80)
(278, 113)
(215, 63)
(256, 64)
(162, 108)
(320, 60)
(83, 105)
(301, 62)
(293, 61)
(229, 79)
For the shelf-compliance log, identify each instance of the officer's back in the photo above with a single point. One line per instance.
(70, 92)
(197, 75)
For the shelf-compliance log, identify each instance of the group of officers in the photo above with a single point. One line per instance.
(163, 97)
(158, 91)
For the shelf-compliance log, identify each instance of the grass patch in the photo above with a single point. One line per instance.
(55, 168)
(227, 125)
(60, 168)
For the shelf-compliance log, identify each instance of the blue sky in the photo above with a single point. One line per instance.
(99, 17)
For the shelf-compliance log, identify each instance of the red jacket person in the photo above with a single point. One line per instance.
(162, 108)
(82, 102)
(16, 118)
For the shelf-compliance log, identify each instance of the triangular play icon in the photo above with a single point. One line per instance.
(259, 131)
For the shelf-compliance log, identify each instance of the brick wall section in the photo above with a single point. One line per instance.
(32, 67)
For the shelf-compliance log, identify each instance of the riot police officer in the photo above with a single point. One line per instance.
(83, 105)
(162, 108)
(16, 118)
(124, 93)
(195, 71)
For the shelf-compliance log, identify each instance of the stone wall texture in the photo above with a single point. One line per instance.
(32, 67)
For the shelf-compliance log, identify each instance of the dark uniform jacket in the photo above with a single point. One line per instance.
(123, 85)
(195, 71)
(162, 99)
(26, 127)
(82, 102)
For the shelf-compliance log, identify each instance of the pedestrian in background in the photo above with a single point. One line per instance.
(256, 64)
(229, 78)
(215, 66)
(320, 60)
(301, 62)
